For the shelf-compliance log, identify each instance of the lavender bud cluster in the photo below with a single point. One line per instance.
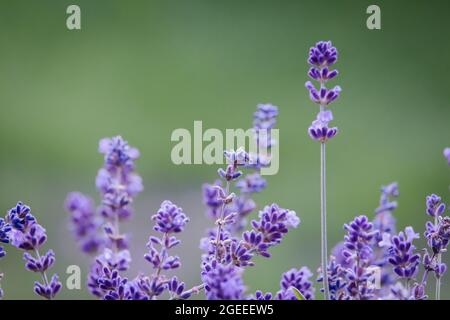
(21, 229)
(230, 248)
(321, 58)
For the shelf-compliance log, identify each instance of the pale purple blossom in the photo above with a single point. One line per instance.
(447, 154)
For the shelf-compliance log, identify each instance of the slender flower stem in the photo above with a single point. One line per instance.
(323, 218)
(193, 290)
(439, 260)
(158, 271)
(219, 227)
(425, 274)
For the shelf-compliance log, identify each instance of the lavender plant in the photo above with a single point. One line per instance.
(321, 57)
(374, 261)
(21, 229)
(228, 248)
(437, 234)
(118, 184)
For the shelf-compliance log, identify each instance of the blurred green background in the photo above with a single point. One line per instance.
(143, 68)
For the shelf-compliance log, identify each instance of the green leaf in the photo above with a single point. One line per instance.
(298, 294)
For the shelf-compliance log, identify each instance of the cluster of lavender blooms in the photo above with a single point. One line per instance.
(321, 57)
(375, 262)
(230, 247)
(20, 229)
(119, 184)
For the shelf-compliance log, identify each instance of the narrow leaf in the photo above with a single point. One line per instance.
(298, 294)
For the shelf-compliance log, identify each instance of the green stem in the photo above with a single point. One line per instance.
(323, 222)
(439, 260)
(219, 227)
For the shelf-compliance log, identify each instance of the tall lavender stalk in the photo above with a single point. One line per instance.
(437, 234)
(229, 248)
(321, 57)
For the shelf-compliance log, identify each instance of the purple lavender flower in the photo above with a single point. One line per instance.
(222, 282)
(259, 295)
(151, 286)
(48, 290)
(176, 289)
(435, 207)
(384, 224)
(170, 218)
(24, 232)
(20, 217)
(273, 224)
(402, 253)
(319, 129)
(265, 116)
(160, 259)
(4, 238)
(447, 154)
(321, 57)
(323, 96)
(322, 75)
(84, 222)
(234, 159)
(106, 282)
(336, 279)
(387, 193)
(264, 120)
(211, 199)
(438, 235)
(40, 263)
(358, 253)
(117, 181)
(118, 154)
(119, 261)
(322, 54)
(357, 241)
(298, 279)
(252, 183)
(432, 263)
(119, 184)
(239, 253)
(418, 292)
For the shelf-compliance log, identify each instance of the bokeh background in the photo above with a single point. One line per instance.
(143, 68)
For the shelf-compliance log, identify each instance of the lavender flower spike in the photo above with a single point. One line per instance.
(222, 282)
(321, 57)
(358, 255)
(5, 228)
(24, 232)
(298, 279)
(84, 222)
(169, 220)
(437, 235)
(402, 253)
